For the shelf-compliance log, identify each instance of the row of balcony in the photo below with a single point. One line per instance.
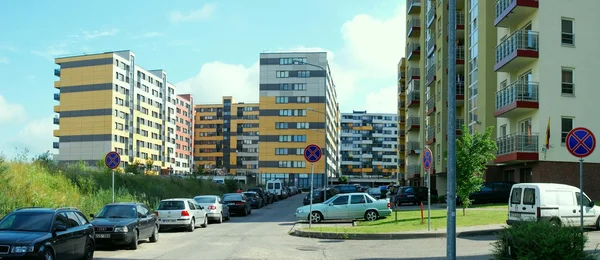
(517, 51)
(413, 6)
(413, 51)
(510, 13)
(430, 75)
(412, 123)
(413, 27)
(431, 12)
(413, 98)
(413, 73)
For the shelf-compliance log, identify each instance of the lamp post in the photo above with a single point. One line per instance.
(326, 151)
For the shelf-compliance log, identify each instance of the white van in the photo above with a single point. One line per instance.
(275, 187)
(556, 203)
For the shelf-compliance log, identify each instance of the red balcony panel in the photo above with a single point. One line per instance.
(512, 12)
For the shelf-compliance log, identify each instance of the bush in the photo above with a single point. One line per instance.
(541, 240)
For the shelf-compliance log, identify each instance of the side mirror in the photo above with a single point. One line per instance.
(592, 203)
(330, 204)
(60, 228)
(92, 216)
(201, 207)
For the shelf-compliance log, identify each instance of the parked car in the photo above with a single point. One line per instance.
(346, 206)
(45, 233)
(272, 196)
(256, 200)
(181, 213)
(411, 194)
(276, 187)
(266, 199)
(374, 192)
(492, 192)
(125, 224)
(238, 203)
(559, 204)
(319, 195)
(214, 207)
(346, 188)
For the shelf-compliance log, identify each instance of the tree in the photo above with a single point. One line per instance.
(343, 179)
(473, 153)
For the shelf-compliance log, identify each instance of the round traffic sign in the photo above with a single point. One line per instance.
(112, 160)
(312, 153)
(427, 159)
(581, 142)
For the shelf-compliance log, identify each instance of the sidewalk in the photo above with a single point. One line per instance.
(486, 230)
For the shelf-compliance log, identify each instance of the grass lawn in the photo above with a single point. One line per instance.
(493, 205)
(411, 221)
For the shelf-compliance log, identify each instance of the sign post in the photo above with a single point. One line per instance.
(427, 161)
(112, 161)
(312, 154)
(581, 142)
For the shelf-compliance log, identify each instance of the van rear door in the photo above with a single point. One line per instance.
(523, 203)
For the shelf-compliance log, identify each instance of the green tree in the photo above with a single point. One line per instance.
(343, 179)
(473, 153)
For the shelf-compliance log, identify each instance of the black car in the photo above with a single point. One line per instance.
(319, 195)
(346, 188)
(44, 233)
(125, 224)
(256, 200)
(238, 203)
(266, 199)
(411, 194)
(492, 192)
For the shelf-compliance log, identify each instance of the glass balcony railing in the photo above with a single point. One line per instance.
(519, 40)
(517, 91)
(518, 142)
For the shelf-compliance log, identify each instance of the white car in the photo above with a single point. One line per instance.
(174, 213)
(216, 210)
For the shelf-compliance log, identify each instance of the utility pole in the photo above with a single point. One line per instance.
(451, 186)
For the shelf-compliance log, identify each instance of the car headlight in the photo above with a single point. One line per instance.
(121, 229)
(22, 249)
(299, 211)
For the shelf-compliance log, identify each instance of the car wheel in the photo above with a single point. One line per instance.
(371, 215)
(192, 225)
(245, 211)
(205, 224)
(220, 218)
(48, 255)
(154, 236)
(133, 245)
(316, 217)
(228, 215)
(89, 251)
(598, 223)
(555, 222)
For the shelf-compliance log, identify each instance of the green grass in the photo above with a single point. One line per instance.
(492, 205)
(27, 183)
(411, 221)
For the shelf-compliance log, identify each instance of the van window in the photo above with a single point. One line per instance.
(586, 201)
(277, 186)
(270, 186)
(565, 198)
(529, 196)
(515, 197)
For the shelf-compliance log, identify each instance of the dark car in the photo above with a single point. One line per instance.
(374, 192)
(262, 194)
(411, 194)
(238, 203)
(492, 192)
(256, 200)
(272, 197)
(124, 224)
(319, 195)
(348, 188)
(44, 233)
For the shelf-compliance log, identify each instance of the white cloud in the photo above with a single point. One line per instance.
(88, 35)
(37, 136)
(52, 51)
(195, 15)
(382, 101)
(4, 60)
(10, 112)
(151, 34)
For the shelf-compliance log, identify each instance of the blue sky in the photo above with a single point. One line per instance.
(208, 48)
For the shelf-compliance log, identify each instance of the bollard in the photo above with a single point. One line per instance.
(422, 217)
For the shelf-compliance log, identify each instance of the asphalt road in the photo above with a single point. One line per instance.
(264, 235)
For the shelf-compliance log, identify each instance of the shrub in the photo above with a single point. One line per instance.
(541, 240)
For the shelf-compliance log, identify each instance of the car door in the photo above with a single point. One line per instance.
(63, 242)
(144, 222)
(78, 233)
(195, 212)
(357, 206)
(152, 219)
(338, 209)
(589, 213)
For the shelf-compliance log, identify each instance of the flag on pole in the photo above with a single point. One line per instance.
(548, 135)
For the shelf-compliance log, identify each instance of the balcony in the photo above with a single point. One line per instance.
(430, 105)
(57, 109)
(413, 51)
(430, 45)
(401, 89)
(460, 122)
(401, 148)
(56, 120)
(401, 105)
(413, 27)
(57, 96)
(56, 133)
(57, 72)
(55, 145)
(400, 163)
(430, 135)
(430, 76)
(413, 73)
(413, 6)
(460, 55)
(402, 119)
(431, 13)
(401, 75)
(517, 148)
(413, 98)
(460, 20)
(413, 147)
(413, 123)
(517, 51)
(517, 98)
(510, 13)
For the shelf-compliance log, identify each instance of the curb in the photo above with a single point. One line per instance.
(388, 236)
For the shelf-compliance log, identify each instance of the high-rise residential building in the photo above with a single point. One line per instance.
(184, 129)
(401, 118)
(369, 143)
(226, 137)
(298, 107)
(109, 103)
(541, 97)
(427, 79)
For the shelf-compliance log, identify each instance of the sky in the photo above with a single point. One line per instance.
(208, 48)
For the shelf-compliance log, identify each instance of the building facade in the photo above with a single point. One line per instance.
(226, 137)
(184, 141)
(109, 103)
(369, 143)
(298, 107)
(401, 119)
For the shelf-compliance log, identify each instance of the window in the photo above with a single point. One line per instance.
(503, 130)
(341, 200)
(283, 74)
(281, 100)
(566, 126)
(568, 83)
(304, 74)
(515, 197)
(357, 199)
(529, 196)
(586, 201)
(568, 32)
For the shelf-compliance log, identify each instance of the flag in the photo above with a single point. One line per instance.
(548, 135)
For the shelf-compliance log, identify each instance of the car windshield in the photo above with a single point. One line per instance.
(331, 199)
(375, 191)
(205, 199)
(118, 211)
(171, 205)
(232, 197)
(29, 222)
(249, 194)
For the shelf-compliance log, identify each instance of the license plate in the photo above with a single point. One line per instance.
(410, 196)
(231, 204)
(516, 215)
(168, 220)
(102, 236)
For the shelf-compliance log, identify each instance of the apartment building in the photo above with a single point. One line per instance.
(298, 107)
(226, 137)
(401, 119)
(541, 97)
(475, 43)
(369, 143)
(109, 103)
(184, 141)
